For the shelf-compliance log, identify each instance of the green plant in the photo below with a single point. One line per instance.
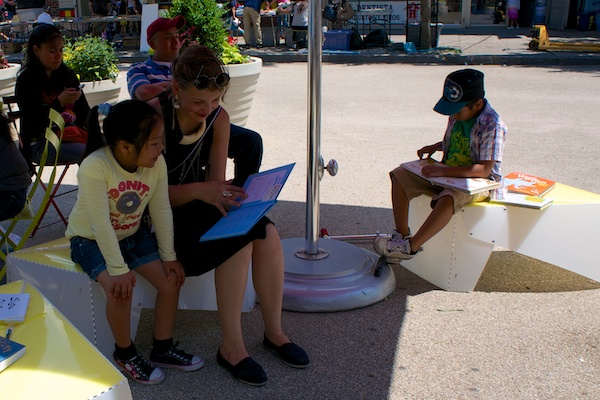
(3, 61)
(204, 25)
(91, 58)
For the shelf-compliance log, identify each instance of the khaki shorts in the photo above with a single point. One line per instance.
(414, 186)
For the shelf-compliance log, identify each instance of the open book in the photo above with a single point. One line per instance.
(468, 185)
(262, 189)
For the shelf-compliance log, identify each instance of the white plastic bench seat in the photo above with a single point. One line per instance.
(564, 234)
(50, 269)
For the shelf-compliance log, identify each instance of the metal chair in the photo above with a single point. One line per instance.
(14, 114)
(6, 243)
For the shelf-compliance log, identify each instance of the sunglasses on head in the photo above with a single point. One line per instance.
(203, 81)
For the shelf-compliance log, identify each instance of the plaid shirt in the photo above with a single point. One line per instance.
(487, 143)
(146, 72)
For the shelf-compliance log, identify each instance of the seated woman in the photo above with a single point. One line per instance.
(14, 173)
(44, 83)
(196, 142)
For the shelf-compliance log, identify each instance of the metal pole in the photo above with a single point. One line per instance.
(314, 128)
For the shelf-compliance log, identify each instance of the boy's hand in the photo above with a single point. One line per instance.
(432, 170)
(427, 150)
(174, 267)
(121, 286)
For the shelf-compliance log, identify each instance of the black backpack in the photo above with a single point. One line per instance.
(376, 38)
(356, 40)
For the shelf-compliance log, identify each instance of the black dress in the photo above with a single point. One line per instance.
(186, 164)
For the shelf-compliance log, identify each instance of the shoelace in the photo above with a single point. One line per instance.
(141, 367)
(179, 354)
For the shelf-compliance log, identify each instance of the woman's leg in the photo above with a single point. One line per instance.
(230, 284)
(267, 274)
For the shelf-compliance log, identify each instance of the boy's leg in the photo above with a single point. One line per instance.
(438, 218)
(400, 204)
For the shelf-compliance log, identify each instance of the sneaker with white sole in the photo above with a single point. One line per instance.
(177, 359)
(140, 370)
(395, 248)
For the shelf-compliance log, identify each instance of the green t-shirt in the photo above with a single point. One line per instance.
(458, 153)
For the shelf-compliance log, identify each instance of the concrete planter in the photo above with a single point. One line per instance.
(99, 92)
(238, 98)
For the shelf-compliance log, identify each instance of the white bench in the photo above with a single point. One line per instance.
(564, 234)
(49, 268)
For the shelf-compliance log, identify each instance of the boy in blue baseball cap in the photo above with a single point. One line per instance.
(472, 148)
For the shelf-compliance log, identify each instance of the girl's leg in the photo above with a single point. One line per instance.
(267, 274)
(118, 313)
(230, 284)
(165, 306)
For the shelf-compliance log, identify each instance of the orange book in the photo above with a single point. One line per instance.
(518, 182)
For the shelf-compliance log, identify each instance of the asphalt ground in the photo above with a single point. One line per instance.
(530, 330)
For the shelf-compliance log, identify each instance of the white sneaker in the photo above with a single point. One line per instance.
(394, 249)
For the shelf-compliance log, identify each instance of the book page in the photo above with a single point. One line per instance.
(13, 307)
(265, 186)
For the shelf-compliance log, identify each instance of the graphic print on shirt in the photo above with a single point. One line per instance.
(458, 154)
(127, 196)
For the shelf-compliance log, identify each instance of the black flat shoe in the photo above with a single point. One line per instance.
(248, 371)
(290, 353)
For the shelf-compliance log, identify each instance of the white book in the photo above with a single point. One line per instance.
(468, 185)
(524, 200)
(13, 307)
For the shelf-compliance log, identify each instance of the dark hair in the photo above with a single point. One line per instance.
(43, 33)
(193, 60)
(129, 120)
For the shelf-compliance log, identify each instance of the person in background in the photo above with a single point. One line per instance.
(46, 82)
(196, 142)
(472, 148)
(123, 173)
(11, 8)
(152, 77)
(512, 9)
(14, 172)
(251, 21)
(299, 21)
(45, 17)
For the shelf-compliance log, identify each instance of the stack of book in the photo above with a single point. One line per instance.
(526, 190)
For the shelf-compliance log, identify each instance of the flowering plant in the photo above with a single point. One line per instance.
(3, 61)
(91, 58)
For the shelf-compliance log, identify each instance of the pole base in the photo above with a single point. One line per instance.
(349, 278)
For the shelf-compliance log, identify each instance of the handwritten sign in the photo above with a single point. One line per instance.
(13, 307)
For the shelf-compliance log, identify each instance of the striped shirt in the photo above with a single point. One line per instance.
(147, 72)
(487, 143)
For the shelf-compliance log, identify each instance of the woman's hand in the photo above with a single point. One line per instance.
(121, 286)
(69, 96)
(222, 195)
(174, 267)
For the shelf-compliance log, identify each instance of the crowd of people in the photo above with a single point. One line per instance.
(162, 156)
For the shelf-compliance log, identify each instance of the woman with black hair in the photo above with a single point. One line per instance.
(46, 82)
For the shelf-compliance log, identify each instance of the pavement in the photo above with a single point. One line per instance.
(529, 330)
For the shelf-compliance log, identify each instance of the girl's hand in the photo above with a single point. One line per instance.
(174, 267)
(121, 286)
(222, 195)
(69, 96)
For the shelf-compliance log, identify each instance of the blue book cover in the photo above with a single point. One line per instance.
(9, 352)
(262, 189)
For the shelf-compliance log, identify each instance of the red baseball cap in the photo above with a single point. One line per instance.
(163, 24)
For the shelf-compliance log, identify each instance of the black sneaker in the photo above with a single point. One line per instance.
(140, 370)
(177, 359)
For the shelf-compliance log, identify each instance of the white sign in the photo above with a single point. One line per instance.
(398, 9)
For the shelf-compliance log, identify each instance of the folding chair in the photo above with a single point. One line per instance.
(13, 115)
(6, 243)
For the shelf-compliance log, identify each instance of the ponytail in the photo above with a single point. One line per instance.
(95, 139)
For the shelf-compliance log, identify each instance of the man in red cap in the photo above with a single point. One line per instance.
(150, 78)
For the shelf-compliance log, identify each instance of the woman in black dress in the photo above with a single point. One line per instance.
(196, 142)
